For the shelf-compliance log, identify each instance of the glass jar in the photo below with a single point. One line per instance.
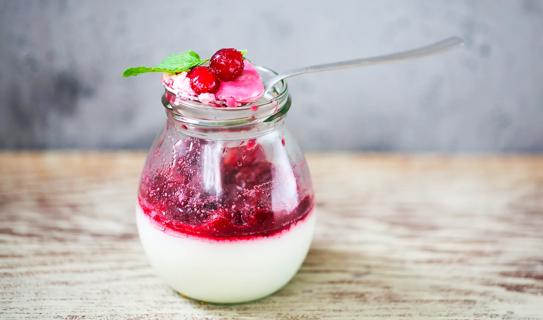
(225, 203)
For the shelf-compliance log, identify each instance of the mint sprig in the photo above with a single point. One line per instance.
(172, 64)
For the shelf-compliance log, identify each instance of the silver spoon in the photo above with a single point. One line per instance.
(427, 50)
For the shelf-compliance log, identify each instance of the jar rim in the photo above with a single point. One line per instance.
(270, 107)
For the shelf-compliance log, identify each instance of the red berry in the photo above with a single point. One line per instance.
(202, 80)
(227, 64)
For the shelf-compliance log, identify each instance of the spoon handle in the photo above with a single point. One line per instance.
(427, 50)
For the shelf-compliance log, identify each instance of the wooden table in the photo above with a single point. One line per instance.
(397, 236)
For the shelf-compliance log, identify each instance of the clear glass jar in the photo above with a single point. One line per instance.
(225, 204)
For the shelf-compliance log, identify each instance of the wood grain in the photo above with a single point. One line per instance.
(397, 236)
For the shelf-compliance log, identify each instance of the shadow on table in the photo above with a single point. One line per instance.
(328, 281)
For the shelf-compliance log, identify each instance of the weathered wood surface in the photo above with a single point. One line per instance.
(410, 237)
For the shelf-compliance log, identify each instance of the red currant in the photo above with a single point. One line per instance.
(202, 80)
(227, 64)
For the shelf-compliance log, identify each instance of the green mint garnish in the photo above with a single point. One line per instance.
(172, 64)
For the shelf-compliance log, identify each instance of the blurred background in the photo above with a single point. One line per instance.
(61, 62)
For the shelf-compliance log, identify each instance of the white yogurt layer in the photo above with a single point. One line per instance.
(225, 271)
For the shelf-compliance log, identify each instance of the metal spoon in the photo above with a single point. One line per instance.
(427, 50)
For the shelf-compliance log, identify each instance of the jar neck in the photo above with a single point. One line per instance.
(238, 132)
(207, 122)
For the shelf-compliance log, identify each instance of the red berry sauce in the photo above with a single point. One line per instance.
(173, 196)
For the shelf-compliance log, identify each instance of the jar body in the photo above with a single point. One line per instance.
(225, 221)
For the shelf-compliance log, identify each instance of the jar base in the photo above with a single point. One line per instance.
(223, 271)
(221, 303)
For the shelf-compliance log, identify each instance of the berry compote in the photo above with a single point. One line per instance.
(237, 205)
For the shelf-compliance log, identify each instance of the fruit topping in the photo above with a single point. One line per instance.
(202, 80)
(227, 64)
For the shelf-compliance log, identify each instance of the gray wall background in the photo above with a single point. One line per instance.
(60, 83)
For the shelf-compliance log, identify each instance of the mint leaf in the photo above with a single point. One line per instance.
(172, 64)
(181, 62)
(243, 52)
(139, 70)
